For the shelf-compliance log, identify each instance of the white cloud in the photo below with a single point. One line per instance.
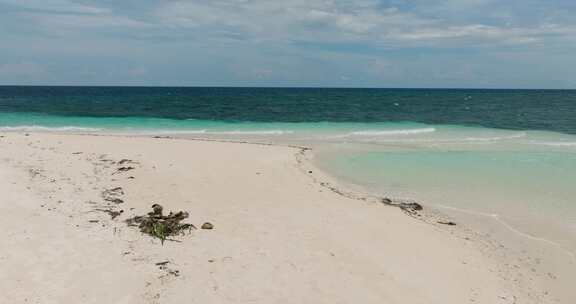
(75, 23)
(295, 42)
(310, 20)
(339, 21)
(60, 6)
(316, 21)
(66, 17)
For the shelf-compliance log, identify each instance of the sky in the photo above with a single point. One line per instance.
(297, 43)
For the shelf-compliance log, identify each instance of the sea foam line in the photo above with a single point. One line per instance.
(207, 132)
(393, 132)
(495, 138)
(385, 132)
(555, 144)
(264, 132)
(32, 128)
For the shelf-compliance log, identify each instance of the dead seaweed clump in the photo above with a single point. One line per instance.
(161, 226)
(410, 208)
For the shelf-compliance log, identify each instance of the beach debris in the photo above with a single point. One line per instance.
(126, 161)
(104, 158)
(207, 226)
(113, 214)
(411, 207)
(114, 200)
(161, 226)
(168, 270)
(113, 192)
(386, 201)
(111, 195)
(156, 211)
(446, 223)
(34, 172)
(123, 169)
(408, 207)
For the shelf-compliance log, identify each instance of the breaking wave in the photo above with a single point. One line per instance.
(208, 132)
(496, 138)
(392, 132)
(33, 128)
(556, 144)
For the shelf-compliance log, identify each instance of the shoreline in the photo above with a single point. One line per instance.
(458, 238)
(555, 262)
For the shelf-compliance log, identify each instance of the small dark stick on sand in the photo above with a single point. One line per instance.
(447, 223)
(123, 169)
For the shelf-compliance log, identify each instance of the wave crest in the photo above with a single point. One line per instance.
(393, 132)
(557, 144)
(495, 138)
(233, 132)
(33, 128)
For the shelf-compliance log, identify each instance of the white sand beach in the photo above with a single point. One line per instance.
(281, 235)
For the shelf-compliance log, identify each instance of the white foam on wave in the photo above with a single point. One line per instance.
(168, 132)
(207, 132)
(392, 132)
(33, 128)
(263, 132)
(404, 136)
(496, 138)
(556, 144)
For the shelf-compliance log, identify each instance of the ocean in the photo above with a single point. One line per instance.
(506, 155)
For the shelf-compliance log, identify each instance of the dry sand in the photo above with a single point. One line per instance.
(281, 234)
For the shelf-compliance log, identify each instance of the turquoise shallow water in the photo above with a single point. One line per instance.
(151, 125)
(524, 179)
(497, 182)
(474, 168)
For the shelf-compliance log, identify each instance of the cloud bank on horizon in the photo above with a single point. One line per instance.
(366, 43)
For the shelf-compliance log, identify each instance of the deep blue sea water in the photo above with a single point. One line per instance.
(508, 153)
(551, 110)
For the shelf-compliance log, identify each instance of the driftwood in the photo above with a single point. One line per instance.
(446, 223)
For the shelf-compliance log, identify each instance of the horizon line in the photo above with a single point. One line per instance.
(282, 87)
